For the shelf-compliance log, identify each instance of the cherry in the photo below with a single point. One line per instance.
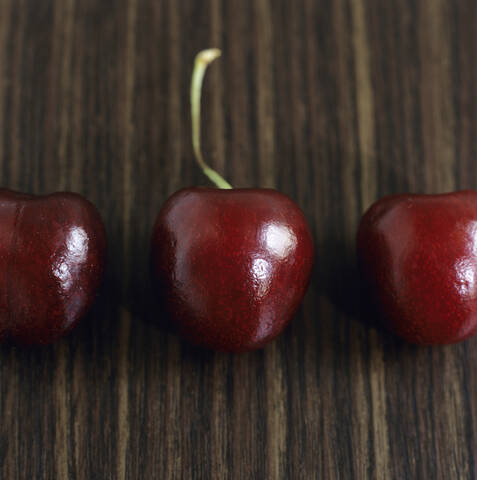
(419, 256)
(231, 265)
(52, 251)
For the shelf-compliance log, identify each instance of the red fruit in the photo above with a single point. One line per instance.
(419, 255)
(232, 265)
(52, 251)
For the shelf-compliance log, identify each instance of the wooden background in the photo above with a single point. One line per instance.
(334, 102)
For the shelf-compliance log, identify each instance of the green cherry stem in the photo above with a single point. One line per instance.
(202, 61)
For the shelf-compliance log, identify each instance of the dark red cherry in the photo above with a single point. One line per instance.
(232, 265)
(419, 255)
(52, 253)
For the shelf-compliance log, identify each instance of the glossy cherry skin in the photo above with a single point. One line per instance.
(52, 253)
(232, 266)
(419, 255)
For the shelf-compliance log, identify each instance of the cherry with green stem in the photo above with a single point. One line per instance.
(231, 265)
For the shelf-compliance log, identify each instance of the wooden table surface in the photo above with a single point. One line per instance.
(335, 103)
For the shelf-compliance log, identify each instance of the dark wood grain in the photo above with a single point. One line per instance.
(334, 102)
